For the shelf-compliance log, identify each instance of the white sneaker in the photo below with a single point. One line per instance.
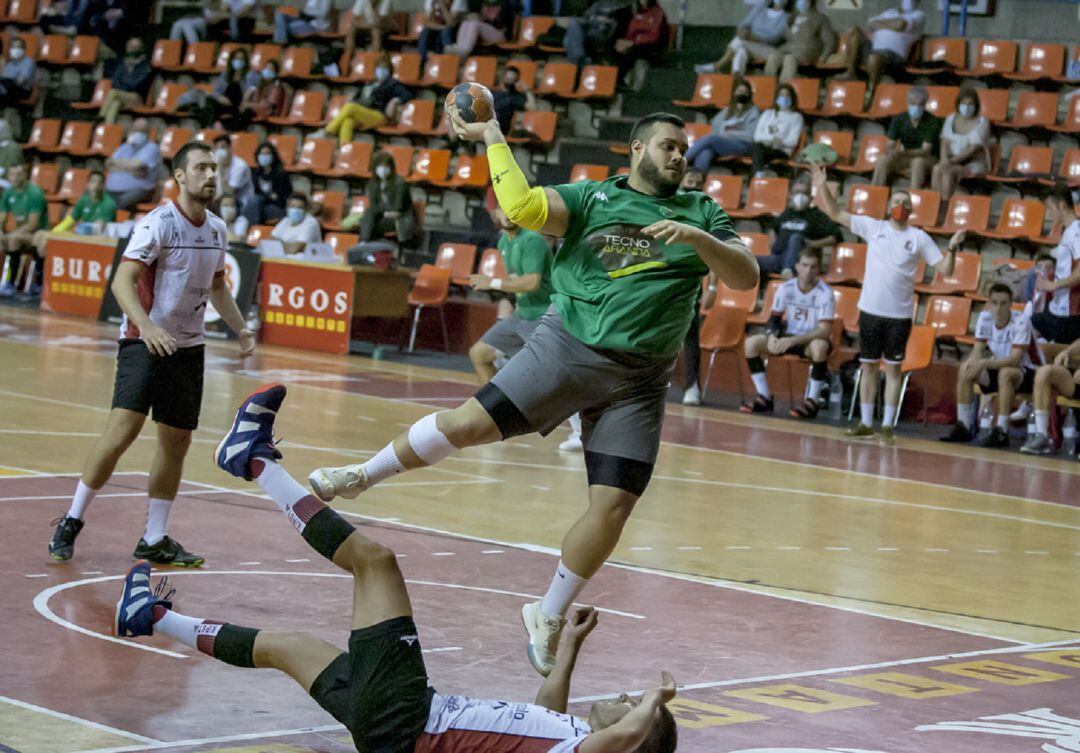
(692, 396)
(347, 481)
(571, 443)
(1021, 414)
(544, 634)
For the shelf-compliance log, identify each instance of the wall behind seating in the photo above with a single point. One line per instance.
(1049, 20)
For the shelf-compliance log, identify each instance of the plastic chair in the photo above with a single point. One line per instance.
(871, 149)
(847, 307)
(333, 207)
(758, 243)
(480, 69)
(1040, 61)
(889, 100)
(847, 265)
(431, 164)
(470, 173)
(872, 201)
(761, 316)
(841, 142)
(262, 54)
(1071, 123)
(994, 104)
(527, 70)
(723, 331)
(918, 355)
(402, 156)
(353, 161)
(948, 315)
(712, 90)
(164, 102)
(441, 71)
(725, 190)
(340, 243)
(540, 123)
(72, 185)
(766, 196)
(417, 117)
(941, 55)
(459, 258)
(1069, 170)
(964, 279)
(597, 82)
(315, 155)
(1034, 110)
(764, 88)
(285, 144)
(360, 69)
(580, 172)
(244, 145)
(406, 67)
(306, 109)
(218, 64)
(101, 88)
(167, 55)
(743, 299)
(413, 28)
(172, 139)
(557, 79)
(1019, 218)
(992, 57)
(257, 233)
(492, 264)
(296, 62)
(807, 92)
(44, 135)
(83, 52)
(1026, 163)
(964, 213)
(842, 98)
(941, 100)
(199, 56)
(430, 290)
(54, 49)
(530, 30)
(45, 176)
(925, 205)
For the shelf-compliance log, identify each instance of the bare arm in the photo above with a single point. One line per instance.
(923, 151)
(631, 731)
(225, 305)
(513, 284)
(125, 288)
(555, 691)
(33, 220)
(825, 199)
(947, 264)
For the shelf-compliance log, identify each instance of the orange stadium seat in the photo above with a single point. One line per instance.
(101, 88)
(889, 100)
(54, 49)
(340, 243)
(430, 290)
(258, 233)
(491, 264)
(72, 185)
(172, 139)
(712, 90)
(315, 155)
(527, 71)
(765, 196)
(725, 190)
(581, 171)
(872, 201)
(744, 299)
(871, 149)
(762, 315)
(358, 204)
(1034, 110)
(480, 69)
(459, 258)
(941, 55)
(1071, 124)
(925, 206)
(296, 62)
(44, 135)
(218, 65)
(964, 279)
(764, 88)
(964, 213)
(164, 102)
(167, 54)
(941, 100)
(557, 79)
(841, 142)
(597, 82)
(413, 28)
(406, 67)
(169, 191)
(21, 12)
(847, 307)
(842, 98)
(353, 161)
(994, 104)
(1041, 60)
(722, 332)
(948, 315)
(285, 144)
(361, 69)
(306, 109)
(417, 117)
(1075, 58)
(471, 173)
(848, 264)
(758, 243)
(244, 145)
(992, 57)
(333, 207)
(402, 155)
(540, 123)
(199, 56)
(441, 71)
(107, 139)
(532, 27)
(1069, 170)
(1019, 218)
(430, 165)
(807, 92)
(262, 54)
(84, 51)
(76, 137)
(1026, 163)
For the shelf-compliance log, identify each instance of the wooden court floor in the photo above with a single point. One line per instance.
(765, 552)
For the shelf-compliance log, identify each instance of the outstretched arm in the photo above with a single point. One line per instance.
(631, 731)
(824, 198)
(555, 692)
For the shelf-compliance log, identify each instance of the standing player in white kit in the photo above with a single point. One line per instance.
(173, 266)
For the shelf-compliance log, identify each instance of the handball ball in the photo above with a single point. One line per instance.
(473, 102)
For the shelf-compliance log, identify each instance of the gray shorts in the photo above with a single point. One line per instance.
(619, 395)
(509, 335)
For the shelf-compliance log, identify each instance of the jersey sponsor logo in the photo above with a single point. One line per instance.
(624, 250)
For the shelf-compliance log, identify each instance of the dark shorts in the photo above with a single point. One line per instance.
(379, 689)
(892, 60)
(989, 382)
(882, 337)
(169, 386)
(1057, 329)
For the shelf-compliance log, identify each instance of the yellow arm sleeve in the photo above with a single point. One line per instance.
(524, 206)
(64, 225)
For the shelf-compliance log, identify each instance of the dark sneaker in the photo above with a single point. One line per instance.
(252, 432)
(135, 610)
(859, 430)
(760, 405)
(167, 552)
(959, 433)
(62, 543)
(807, 409)
(996, 437)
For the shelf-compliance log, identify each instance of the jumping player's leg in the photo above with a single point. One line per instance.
(482, 357)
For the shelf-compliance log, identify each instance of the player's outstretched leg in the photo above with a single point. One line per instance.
(431, 439)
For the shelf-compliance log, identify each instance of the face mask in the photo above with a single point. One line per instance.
(267, 74)
(134, 55)
(381, 74)
(784, 103)
(238, 64)
(803, 6)
(742, 98)
(296, 215)
(383, 171)
(228, 213)
(265, 160)
(222, 157)
(17, 52)
(967, 109)
(900, 212)
(800, 201)
(915, 111)
(137, 139)
(907, 6)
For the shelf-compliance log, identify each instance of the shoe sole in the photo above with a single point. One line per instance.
(236, 421)
(529, 651)
(61, 558)
(319, 483)
(199, 563)
(116, 614)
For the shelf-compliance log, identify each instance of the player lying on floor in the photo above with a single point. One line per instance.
(379, 688)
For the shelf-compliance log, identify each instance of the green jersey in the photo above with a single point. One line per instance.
(527, 253)
(88, 210)
(616, 287)
(21, 204)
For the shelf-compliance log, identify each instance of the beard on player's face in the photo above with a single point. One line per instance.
(663, 177)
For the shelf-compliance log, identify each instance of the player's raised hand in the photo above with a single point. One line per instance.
(818, 176)
(468, 131)
(670, 231)
(579, 624)
(658, 696)
(158, 341)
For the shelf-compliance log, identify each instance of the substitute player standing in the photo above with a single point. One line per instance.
(626, 285)
(173, 266)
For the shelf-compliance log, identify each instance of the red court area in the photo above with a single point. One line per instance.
(761, 673)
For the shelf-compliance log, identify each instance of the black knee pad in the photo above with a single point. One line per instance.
(622, 473)
(510, 420)
(326, 532)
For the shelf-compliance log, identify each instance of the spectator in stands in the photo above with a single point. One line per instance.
(913, 136)
(234, 19)
(886, 42)
(134, 167)
(694, 180)
(758, 36)
(1050, 379)
(810, 39)
(63, 17)
(390, 205)
(1060, 323)
(116, 21)
(778, 131)
(225, 102)
(491, 23)
(1000, 363)
(378, 103)
(733, 130)
(131, 77)
(19, 73)
(800, 325)
(315, 16)
(234, 174)
(11, 153)
(299, 227)
(1038, 300)
(594, 33)
(798, 228)
(272, 185)
(965, 146)
(646, 39)
(373, 17)
(89, 216)
(23, 205)
(887, 303)
(510, 97)
(228, 209)
(268, 98)
(441, 17)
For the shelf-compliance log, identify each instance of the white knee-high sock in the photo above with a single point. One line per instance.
(157, 519)
(564, 588)
(965, 414)
(1042, 422)
(84, 495)
(177, 626)
(761, 384)
(866, 411)
(889, 417)
(425, 439)
(298, 504)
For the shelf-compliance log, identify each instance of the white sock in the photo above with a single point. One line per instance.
(564, 588)
(761, 384)
(890, 416)
(965, 414)
(157, 519)
(866, 410)
(383, 465)
(178, 627)
(429, 444)
(575, 425)
(1042, 422)
(84, 495)
(816, 386)
(1003, 421)
(295, 501)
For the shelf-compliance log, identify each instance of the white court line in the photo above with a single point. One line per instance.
(1032, 647)
(80, 720)
(37, 497)
(157, 745)
(41, 601)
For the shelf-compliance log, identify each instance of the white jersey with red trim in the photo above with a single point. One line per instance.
(1017, 333)
(1066, 301)
(457, 724)
(804, 310)
(181, 260)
